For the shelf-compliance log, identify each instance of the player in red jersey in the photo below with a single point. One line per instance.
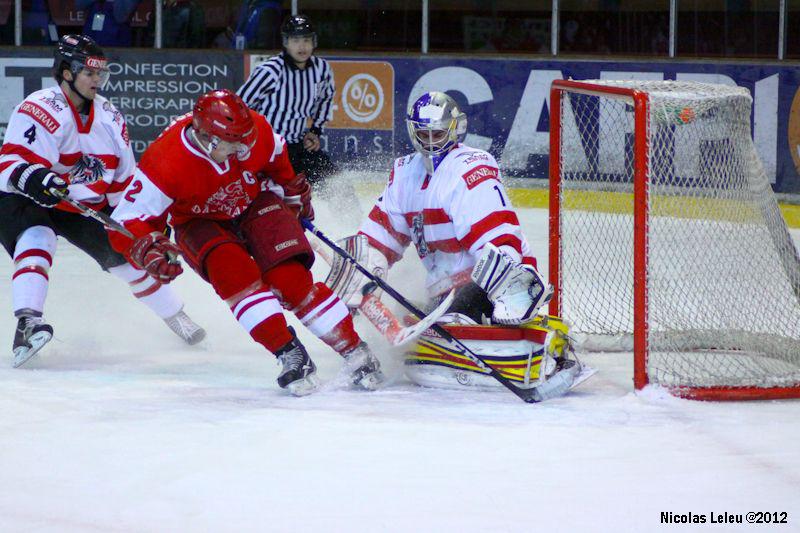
(224, 178)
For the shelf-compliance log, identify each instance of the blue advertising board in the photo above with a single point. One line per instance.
(506, 100)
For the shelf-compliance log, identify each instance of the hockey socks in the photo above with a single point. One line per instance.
(314, 304)
(33, 257)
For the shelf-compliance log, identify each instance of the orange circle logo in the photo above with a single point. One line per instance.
(794, 130)
(362, 98)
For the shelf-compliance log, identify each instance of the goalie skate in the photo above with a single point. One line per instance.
(363, 368)
(31, 336)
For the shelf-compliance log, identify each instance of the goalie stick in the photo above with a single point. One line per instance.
(528, 395)
(382, 318)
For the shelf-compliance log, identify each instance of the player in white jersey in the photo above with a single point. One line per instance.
(448, 199)
(68, 140)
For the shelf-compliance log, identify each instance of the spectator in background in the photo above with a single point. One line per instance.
(184, 24)
(37, 25)
(108, 21)
(259, 24)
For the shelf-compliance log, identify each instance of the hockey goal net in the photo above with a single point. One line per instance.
(666, 238)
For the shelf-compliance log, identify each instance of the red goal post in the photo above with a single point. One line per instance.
(666, 239)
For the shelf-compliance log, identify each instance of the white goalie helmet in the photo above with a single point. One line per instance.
(435, 124)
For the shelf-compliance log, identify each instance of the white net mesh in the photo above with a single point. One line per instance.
(723, 277)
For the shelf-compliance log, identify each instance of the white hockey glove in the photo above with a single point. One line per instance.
(517, 291)
(346, 281)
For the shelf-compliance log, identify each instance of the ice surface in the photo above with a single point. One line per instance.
(118, 426)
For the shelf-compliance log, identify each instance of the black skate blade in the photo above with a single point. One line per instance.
(23, 354)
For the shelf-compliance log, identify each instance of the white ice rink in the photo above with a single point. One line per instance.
(118, 426)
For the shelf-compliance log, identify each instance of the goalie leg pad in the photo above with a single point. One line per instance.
(345, 279)
(517, 291)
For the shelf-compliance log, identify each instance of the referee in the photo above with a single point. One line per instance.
(291, 88)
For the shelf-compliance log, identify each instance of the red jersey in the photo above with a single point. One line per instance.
(178, 180)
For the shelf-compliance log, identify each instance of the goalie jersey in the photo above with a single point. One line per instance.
(91, 153)
(449, 216)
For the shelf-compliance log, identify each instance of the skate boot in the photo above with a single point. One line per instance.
(31, 335)
(299, 373)
(363, 367)
(185, 328)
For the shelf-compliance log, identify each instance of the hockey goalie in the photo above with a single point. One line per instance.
(448, 199)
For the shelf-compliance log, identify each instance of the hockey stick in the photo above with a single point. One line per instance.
(382, 318)
(530, 395)
(99, 216)
(104, 219)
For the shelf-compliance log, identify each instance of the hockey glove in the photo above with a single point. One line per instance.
(36, 181)
(297, 195)
(516, 291)
(156, 255)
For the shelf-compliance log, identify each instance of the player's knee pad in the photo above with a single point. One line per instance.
(34, 251)
(231, 270)
(291, 281)
(346, 280)
(199, 237)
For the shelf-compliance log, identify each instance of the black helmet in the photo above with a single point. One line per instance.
(297, 26)
(74, 52)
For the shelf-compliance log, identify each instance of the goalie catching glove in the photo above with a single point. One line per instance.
(157, 255)
(346, 281)
(517, 291)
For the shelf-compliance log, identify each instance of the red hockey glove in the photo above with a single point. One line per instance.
(157, 255)
(297, 195)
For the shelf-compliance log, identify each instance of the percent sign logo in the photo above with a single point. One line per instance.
(362, 98)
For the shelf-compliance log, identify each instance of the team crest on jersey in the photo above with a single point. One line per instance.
(231, 200)
(418, 234)
(55, 101)
(87, 170)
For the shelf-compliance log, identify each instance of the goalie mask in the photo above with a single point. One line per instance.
(435, 126)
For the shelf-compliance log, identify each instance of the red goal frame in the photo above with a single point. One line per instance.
(640, 102)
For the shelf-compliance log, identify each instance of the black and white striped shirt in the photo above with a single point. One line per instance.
(288, 96)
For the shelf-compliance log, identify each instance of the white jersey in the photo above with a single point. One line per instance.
(449, 216)
(92, 154)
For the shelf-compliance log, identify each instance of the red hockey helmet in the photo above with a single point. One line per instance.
(225, 118)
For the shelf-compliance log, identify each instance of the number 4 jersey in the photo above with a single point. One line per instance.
(449, 216)
(91, 152)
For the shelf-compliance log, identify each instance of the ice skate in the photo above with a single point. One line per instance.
(185, 328)
(363, 367)
(299, 373)
(31, 335)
